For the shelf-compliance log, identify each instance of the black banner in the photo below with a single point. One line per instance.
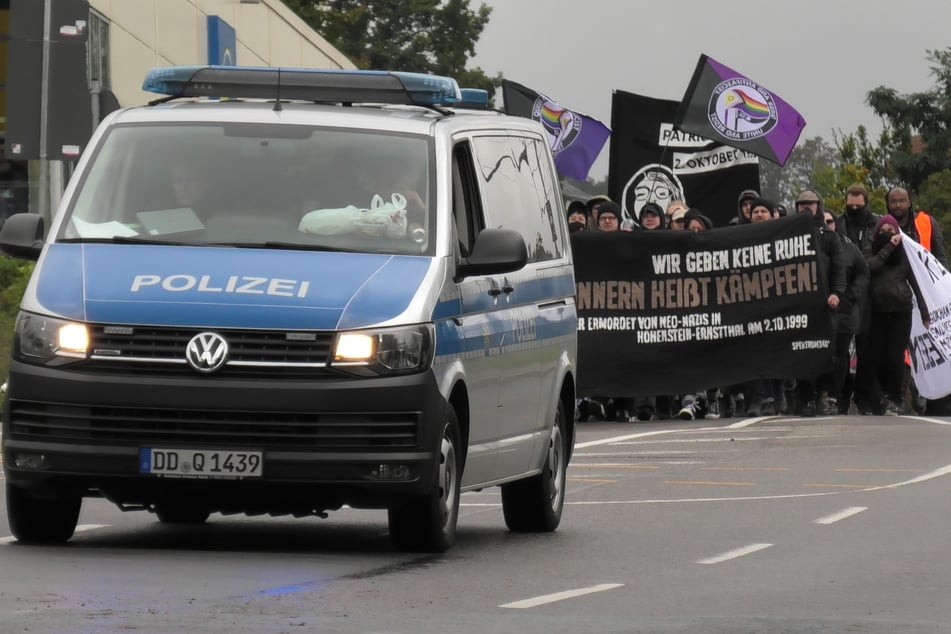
(652, 160)
(670, 312)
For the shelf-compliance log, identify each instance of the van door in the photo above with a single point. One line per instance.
(507, 169)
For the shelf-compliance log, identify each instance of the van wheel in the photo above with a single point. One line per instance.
(36, 520)
(176, 513)
(428, 524)
(535, 504)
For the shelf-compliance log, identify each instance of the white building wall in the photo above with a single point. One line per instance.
(144, 34)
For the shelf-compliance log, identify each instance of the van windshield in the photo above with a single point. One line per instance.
(254, 185)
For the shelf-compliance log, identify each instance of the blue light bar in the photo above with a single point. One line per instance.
(474, 98)
(345, 86)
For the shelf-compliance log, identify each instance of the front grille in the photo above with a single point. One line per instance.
(251, 353)
(327, 431)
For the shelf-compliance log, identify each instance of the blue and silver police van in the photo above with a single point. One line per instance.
(283, 291)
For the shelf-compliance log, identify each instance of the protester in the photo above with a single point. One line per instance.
(857, 223)
(696, 221)
(919, 225)
(832, 266)
(676, 214)
(848, 319)
(577, 216)
(890, 297)
(747, 196)
(652, 217)
(608, 215)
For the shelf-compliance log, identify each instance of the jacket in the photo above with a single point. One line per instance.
(849, 313)
(891, 282)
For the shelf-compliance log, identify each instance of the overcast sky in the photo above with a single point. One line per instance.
(821, 56)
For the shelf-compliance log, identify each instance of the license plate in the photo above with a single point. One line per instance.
(200, 463)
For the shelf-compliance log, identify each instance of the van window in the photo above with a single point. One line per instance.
(521, 192)
(466, 210)
(259, 184)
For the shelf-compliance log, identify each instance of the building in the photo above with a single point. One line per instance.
(121, 39)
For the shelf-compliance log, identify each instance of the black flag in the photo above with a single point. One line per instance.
(652, 160)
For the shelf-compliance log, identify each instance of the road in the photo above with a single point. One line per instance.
(757, 525)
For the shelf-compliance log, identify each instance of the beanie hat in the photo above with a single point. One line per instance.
(594, 200)
(887, 219)
(576, 206)
(763, 202)
(609, 207)
(696, 213)
(680, 213)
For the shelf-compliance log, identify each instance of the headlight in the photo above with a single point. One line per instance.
(40, 339)
(389, 351)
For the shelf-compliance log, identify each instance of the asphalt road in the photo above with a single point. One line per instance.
(758, 525)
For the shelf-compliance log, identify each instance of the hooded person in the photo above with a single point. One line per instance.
(577, 216)
(695, 220)
(651, 217)
(593, 204)
(746, 197)
(892, 292)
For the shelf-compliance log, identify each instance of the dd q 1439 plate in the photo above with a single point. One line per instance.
(200, 463)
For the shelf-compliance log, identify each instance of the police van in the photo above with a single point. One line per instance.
(283, 291)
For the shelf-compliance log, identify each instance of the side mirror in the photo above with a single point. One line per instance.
(22, 236)
(495, 251)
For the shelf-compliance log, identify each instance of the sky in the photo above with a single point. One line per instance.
(820, 56)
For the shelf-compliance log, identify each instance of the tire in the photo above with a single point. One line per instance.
(535, 504)
(40, 520)
(174, 513)
(428, 524)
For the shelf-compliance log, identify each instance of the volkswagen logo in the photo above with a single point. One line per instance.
(206, 351)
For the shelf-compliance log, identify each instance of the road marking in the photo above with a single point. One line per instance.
(733, 554)
(853, 470)
(612, 465)
(937, 473)
(592, 480)
(841, 515)
(838, 486)
(560, 596)
(747, 469)
(79, 529)
(702, 482)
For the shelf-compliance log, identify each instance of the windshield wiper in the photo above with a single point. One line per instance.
(126, 240)
(297, 246)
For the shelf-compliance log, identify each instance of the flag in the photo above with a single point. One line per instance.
(930, 348)
(651, 160)
(723, 105)
(575, 138)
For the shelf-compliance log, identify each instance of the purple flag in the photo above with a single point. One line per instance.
(575, 139)
(727, 107)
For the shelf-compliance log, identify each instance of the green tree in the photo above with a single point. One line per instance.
(783, 183)
(917, 135)
(423, 36)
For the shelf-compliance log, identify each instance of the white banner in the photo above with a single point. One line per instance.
(930, 349)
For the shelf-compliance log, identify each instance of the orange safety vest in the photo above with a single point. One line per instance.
(923, 225)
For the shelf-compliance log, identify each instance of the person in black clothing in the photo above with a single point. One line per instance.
(900, 205)
(857, 223)
(890, 297)
(831, 265)
(847, 319)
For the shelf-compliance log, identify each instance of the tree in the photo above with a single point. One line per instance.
(917, 135)
(783, 183)
(422, 36)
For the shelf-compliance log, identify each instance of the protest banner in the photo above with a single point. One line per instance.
(651, 160)
(930, 348)
(670, 312)
(576, 139)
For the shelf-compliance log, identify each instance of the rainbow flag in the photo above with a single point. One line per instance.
(575, 138)
(727, 107)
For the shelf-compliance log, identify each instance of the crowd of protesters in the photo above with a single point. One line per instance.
(871, 291)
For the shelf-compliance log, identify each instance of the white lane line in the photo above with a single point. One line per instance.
(560, 596)
(925, 419)
(841, 515)
(10, 539)
(733, 554)
(922, 478)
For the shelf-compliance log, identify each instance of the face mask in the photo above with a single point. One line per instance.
(575, 226)
(854, 209)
